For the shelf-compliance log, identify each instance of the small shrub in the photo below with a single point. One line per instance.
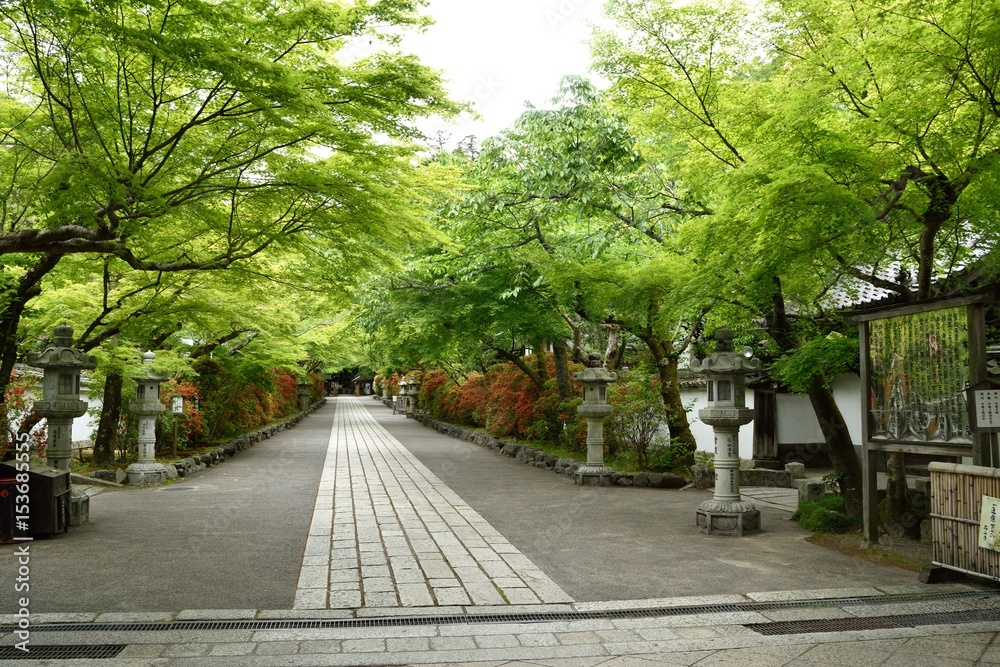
(636, 427)
(825, 515)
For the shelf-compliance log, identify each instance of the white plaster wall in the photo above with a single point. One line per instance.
(797, 423)
(84, 427)
(847, 393)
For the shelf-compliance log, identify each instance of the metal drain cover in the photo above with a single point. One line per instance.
(875, 622)
(75, 652)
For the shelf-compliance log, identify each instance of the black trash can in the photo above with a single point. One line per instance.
(48, 499)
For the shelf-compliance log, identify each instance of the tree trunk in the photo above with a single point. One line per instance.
(611, 350)
(680, 429)
(523, 367)
(29, 285)
(666, 369)
(896, 514)
(838, 440)
(107, 428)
(620, 356)
(541, 367)
(562, 371)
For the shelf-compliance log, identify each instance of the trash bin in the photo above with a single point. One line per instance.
(7, 493)
(48, 499)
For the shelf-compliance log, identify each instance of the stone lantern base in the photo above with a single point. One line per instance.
(142, 474)
(593, 476)
(728, 518)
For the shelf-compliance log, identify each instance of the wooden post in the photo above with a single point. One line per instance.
(868, 459)
(982, 450)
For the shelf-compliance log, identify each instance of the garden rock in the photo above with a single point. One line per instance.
(666, 481)
(640, 479)
(511, 449)
(702, 477)
(796, 470)
(811, 489)
(764, 477)
(106, 475)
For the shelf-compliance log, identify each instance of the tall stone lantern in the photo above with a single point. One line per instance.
(146, 406)
(399, 400)
(304, 389)
(412, 395)
(61, 364)
(726, 370)
(594, 409)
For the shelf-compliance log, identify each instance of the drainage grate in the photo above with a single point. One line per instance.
(97, 652)
(874, 623)
(527, 617)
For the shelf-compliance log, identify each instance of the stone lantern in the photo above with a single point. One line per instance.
(304, 389)
(594, 408)
(146, 406)
(727, 513)
(412, 395)
(61, 365)
(399, 400)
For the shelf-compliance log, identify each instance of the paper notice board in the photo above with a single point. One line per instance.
(989, 531)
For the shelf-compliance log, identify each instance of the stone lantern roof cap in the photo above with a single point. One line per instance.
(60, 353)
(595, 375)
(725, 361)
(148, 358)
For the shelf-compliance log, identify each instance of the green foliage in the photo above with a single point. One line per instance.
(825, 515)
(635, 428)
(826, 357)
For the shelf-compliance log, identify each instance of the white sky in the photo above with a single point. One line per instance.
(498, 54)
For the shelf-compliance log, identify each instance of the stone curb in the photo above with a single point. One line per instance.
(192, 464)
(545, 461)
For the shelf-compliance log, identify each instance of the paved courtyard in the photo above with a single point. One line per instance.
(362, 538)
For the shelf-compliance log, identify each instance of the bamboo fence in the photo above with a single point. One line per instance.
(956, 503)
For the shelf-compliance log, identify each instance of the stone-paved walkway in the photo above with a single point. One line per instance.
(387, 532)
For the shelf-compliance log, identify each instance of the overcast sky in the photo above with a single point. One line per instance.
(499, 54)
